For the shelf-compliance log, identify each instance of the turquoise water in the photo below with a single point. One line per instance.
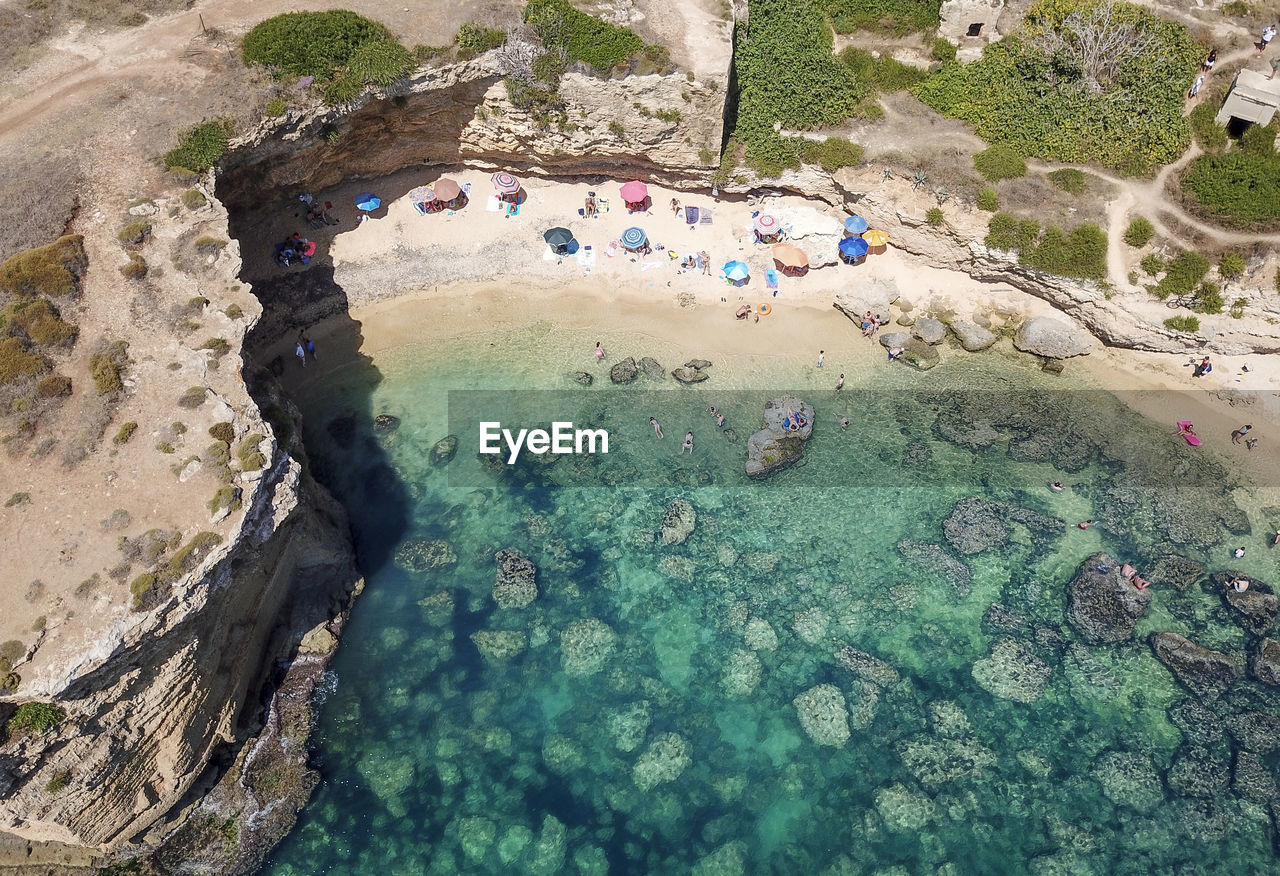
(639, 715)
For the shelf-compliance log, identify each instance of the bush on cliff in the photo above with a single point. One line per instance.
(35, 718)
(1240, 187)
(1080, 252)
(1042, 92)
(581, 37)
(895, 17)
(199, 149)
(54, 269)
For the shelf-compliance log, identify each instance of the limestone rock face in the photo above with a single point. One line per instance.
(775, 447)
(1207, 674)
(928, 330)
(1102, 605)
(1052, 338)
(875, 296)
(971, 336)
(824, 715)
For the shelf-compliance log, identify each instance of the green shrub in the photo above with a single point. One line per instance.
(1128, 117)
(251, 459)
(943, 50)
(17, 360)
(787, 74)
(226, 497)
(188, 556)
(276, 107)
(475, 39)
(1069, 180)
(140, 587)
(894, 17)
(224, 432)
(193, 398)
(882, 73)
(59, 781)
(135, 268)
(1211, 136)
(53, 386)
(36, 718)
(106, 366)
(166, 447)
(1189, 324)
(1238, 306)
(310, 43)
(1152, 264)
(988, 200)
(1240, 188)
(39, 321)
(218, 346)
(1081, 252)
(233, 311)
(832, 153)
(201, 147)
(1209, 299)
(125, 433)
(425, 54)
(1232, 266)
(1000, 162)
(135, 233)
(1007, 232)
(54, 269)
(1139, 232)
(17, 499)
(583, 38)
(194, 199)
(380, 63)
(1185, 273)
(935, 216)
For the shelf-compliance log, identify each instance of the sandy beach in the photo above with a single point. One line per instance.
(477, 270)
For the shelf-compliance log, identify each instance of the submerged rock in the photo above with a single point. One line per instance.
(759, 635)
(443, 451)
(1012, 672)
(1102, 605)
(586, 645)
(1052, 338)
(929, 331)
(1251, 779)
(628, 725)
(934, 761)
(866, 666)
(1207, 674)
(903, 810)
(584, 377)
(1175, 571)
(663, 761)
(678, 522)
(516, 584)
(1198, 772)
(971, 336)
(1265, 665)
(728, 860)
(936, 559)
(776, 447)
(741, 673)
(1254, 609)
(977, 524)
(497, 645)
(652, 369)
(385, 424)
(920, 355)
(824, 715)
(624, 372)
(419, 555)
(686, 374)
(1129, 778)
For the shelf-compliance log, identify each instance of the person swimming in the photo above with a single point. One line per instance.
(1085, 525)
(688, 444)
(1140, 582)
(1057, 486)
(1128, 571)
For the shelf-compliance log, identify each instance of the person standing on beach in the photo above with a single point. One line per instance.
(688, 444)
(840, 383)
(821, 353)
(307, 343)
(706, 262)
(599, 353)
(657, 429)
(301, 353)
(1240, 433)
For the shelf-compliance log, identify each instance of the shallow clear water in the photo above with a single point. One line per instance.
(646, 723)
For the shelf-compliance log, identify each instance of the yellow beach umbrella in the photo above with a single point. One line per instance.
(876, 240)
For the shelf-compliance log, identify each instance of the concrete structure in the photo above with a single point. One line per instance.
(1253, 99)
(969, 25)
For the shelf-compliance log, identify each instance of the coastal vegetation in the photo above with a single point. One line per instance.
(1239, 186)
(1139, 232)
(579, 37)
(1080, 252)
(892, 17)
(1182, 275)
(1047, 91)
(35, 718)
(1070, 180)
(200, 148)
(343, 51)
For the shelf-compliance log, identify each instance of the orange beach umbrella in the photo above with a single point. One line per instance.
(789, 256)
(446, 189)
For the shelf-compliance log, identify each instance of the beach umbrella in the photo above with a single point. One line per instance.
(368, 201)
(446, 189)
(766, 225)
(853, 248)
(855, 225)
(736, 270)
(634, 238)
(558, 237)
(634, 192)
(422, 195)
(876, 240)
(788, 256)
(505, 183)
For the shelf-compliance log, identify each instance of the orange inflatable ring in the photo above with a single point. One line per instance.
(765, 310)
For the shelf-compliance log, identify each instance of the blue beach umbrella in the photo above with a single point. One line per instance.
(856, 225)
(736, 270)
(367, 201)
(853, 248)
(634, 238)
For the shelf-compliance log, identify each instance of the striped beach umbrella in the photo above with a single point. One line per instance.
(505, 183)
(634, 238)
(634, 192)
(422, 195)
(855, 225)
(766, 225)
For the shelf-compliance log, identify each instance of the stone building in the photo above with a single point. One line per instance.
(1252, 100)
(969, 25)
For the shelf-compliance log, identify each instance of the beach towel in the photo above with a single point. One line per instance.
(704, 216)
(492, 204)
(691, 215)
(602, 205)
(647, 265)
(421, 207)
(587, 257)
(771, 279)
(612, 249)
(513, 209)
